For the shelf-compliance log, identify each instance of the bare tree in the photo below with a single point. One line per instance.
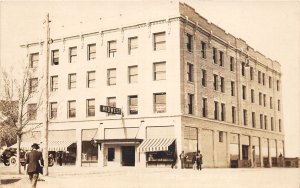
(17, 110)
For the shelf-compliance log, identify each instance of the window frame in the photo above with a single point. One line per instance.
(112, 48)
(156, 72)
(53, 84)
(33, 62)
(132, 75)
(91, 82)
(91, 53)
(130, 105)
(110, 78)
(72, 56)
(71, 111)
(53, 111)
(163, 104)
(55, 57)
(90, 108)
(161, 43)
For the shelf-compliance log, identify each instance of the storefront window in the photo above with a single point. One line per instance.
(89, 152)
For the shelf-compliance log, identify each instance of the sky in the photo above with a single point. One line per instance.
(270, 27)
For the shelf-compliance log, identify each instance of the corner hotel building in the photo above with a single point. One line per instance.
(183, 84)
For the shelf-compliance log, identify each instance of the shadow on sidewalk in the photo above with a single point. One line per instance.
(9, 181)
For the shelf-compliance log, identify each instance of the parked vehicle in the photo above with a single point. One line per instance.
(9, 157)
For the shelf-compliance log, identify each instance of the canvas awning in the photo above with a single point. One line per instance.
(23, 145)
(52, 145)
(155, 144)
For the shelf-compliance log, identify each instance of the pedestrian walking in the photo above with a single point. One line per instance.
(34, 160)
(199, 160)
(174, 160)
(182, 157)
(59, 159)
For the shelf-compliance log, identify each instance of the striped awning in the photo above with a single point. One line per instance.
(23, 145)
(52, 145)
(155, 144)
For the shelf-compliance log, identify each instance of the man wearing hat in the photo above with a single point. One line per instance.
(34, 164)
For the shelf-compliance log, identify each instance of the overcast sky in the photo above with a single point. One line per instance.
(271, 27)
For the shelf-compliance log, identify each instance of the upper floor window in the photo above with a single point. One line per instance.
(55, 57)
(204, 107)
(133, 74)
(53, 110)
(90, 107)
(72, 54)
(253, 120)
(223, 110)
(244, 92)
(159, 41)
(265, 101)
(222, 84)
(53, 83)
(233, 114)
(215, 55)
(278, 85)
(190, 71)
(216, 111)
(221, 58)
(231, 63)
(279, 125)
(72, 81)
(260, 98)
(263, 78)
(189, 44)
(252, 96)
(34, 60)
(271, 103)
(243, 68)
(270, 82)
(266, 122)
(245, 117)
(272, 124)
(251, 73)
(133, 104)
(261, 121)
(159, 70)
(91, 79)
(190, 103)
(111, 101)
(132, 45)
(33, 84)
(278, 105)
(203, 50)
(215, 82)
(91, 51)
(71, 109)
(204, 78)
(32, 111)
(259, 77)
(159, 102)
(111, 76)
(232, 88)
(112, 48)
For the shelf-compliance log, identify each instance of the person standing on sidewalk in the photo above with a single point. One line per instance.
(199, 160)
(34, 165)
(182, 157)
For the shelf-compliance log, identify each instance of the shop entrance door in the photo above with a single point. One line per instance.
(128, 155)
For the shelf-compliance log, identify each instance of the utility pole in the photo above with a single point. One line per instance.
(46, 97)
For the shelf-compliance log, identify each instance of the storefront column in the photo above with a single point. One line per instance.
(214, 148)
(260, 152)
(251, 151)
(228, 148)
(276, 147)
(269, 153)
(199, 139)
(142, 160)
(100, 156)
(79, 147)
(240, 147)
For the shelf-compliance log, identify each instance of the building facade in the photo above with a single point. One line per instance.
(178, 83)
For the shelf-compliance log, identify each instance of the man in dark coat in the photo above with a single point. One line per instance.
(199, 160)
(34, 164)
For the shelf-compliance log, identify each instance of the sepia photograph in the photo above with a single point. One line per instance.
(150, 94)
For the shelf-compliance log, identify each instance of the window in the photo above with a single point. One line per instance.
(33, 84)
(260, 98)
(190, 103)
(232, 88)
(244, 92)
(278, 85)
(259, 77)
(111, 101)
(243, 68)
(245, 116)
(251, 73)
(215, 82)
(216, 111)
(271, 103)
(71, 109)
(261, 121)
(31, 111)
(133, 74)
(265, 103)
(279, 125)
(112, 48)
(72, 54)
(91, 51)
(159, 71)
(53, 83)
(55, 57)
(159, 102)
(159, 41)
(253, 120)
(90, 107)
(215, 55)
(252, 96)
(190, 70)
(53, 110)
(189, 44)
(132, 45)
(222, 85)
(34, 60)
(111, 77)
(203, 50)
(231, 63)
(221, 58)
(263, 78)
(233, 114)
(272, 124)
(204, 107)
(91, 79)
(133, 104)
(278, 105)
(110, 154)
(223, 110)
(266, 122)
(270, 82)
(221, 136)
(72, 81)
(204, 78)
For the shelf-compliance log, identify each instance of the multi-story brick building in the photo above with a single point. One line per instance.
(181, 82)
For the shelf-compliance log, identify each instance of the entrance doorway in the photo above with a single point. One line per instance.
(245, 152)
(128, 155)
